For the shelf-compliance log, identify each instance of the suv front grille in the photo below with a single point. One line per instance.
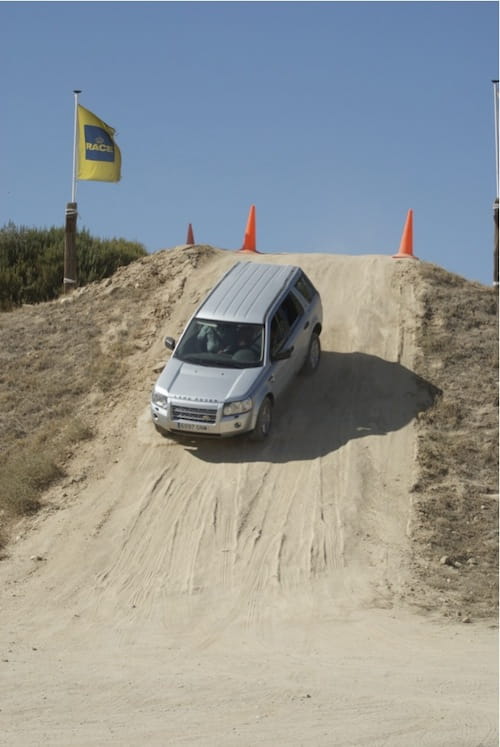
(194, 414)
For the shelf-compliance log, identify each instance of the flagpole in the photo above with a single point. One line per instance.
(497, 174)
(75, 146)
(70, 261)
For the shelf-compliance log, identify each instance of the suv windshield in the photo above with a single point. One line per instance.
(223, 344)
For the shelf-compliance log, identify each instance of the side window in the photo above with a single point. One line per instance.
(305, 288)
(279, 331)
(292, 309)
(284, 319)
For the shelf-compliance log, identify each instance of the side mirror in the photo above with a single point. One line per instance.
(283, 355)
(169, 343)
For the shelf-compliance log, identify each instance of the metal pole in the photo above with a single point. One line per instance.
(495, 242)
(75, 146)
(497, 174)
(70, 262)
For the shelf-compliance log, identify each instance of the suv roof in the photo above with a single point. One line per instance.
(246, 292)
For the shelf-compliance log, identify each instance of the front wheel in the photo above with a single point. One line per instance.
(264, 421)
(313, 357)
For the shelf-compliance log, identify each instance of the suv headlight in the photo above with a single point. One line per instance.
(236, 408)
(160, 399)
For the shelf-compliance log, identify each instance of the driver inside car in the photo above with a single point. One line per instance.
(215, 339)
(209, 339)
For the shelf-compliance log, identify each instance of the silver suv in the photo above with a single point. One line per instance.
(257, 328)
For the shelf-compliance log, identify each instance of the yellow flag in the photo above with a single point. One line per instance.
(99, 157)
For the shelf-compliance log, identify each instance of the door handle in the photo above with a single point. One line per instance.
(306, 325)
(271, 379)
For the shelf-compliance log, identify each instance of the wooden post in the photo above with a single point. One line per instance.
(70, 266)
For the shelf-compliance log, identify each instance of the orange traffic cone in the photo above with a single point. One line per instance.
(250, 241)
(190, 236)
(406, 245)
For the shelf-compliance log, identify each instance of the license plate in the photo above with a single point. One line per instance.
(191, 427)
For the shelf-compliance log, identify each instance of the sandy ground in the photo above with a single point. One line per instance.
(244, 594)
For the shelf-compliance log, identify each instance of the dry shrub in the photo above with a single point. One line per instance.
(108, 369)
(35, 462)
(455, 506)
(55, 357)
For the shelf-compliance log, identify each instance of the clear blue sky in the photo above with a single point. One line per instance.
(333, 118)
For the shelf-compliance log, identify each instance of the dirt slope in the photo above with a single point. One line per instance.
(181, 592)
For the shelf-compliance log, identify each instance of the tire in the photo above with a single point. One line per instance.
(313, 357)
(264, 421)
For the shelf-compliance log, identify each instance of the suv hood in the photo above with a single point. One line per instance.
(206, 383)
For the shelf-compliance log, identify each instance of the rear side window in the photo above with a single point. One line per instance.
(292, 309)
(287, 314)
(279, 331)
(305, 288)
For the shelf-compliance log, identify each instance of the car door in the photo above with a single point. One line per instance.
(310, 299)
(286, 333)
(300, 332)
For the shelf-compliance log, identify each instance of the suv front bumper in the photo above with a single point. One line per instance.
(199, 420)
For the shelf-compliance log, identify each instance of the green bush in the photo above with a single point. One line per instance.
(32, 262)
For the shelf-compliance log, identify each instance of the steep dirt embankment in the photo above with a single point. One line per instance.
(325, 501)
(454, 527)
(266, 557)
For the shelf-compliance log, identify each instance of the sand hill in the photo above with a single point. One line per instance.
(309, 590)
